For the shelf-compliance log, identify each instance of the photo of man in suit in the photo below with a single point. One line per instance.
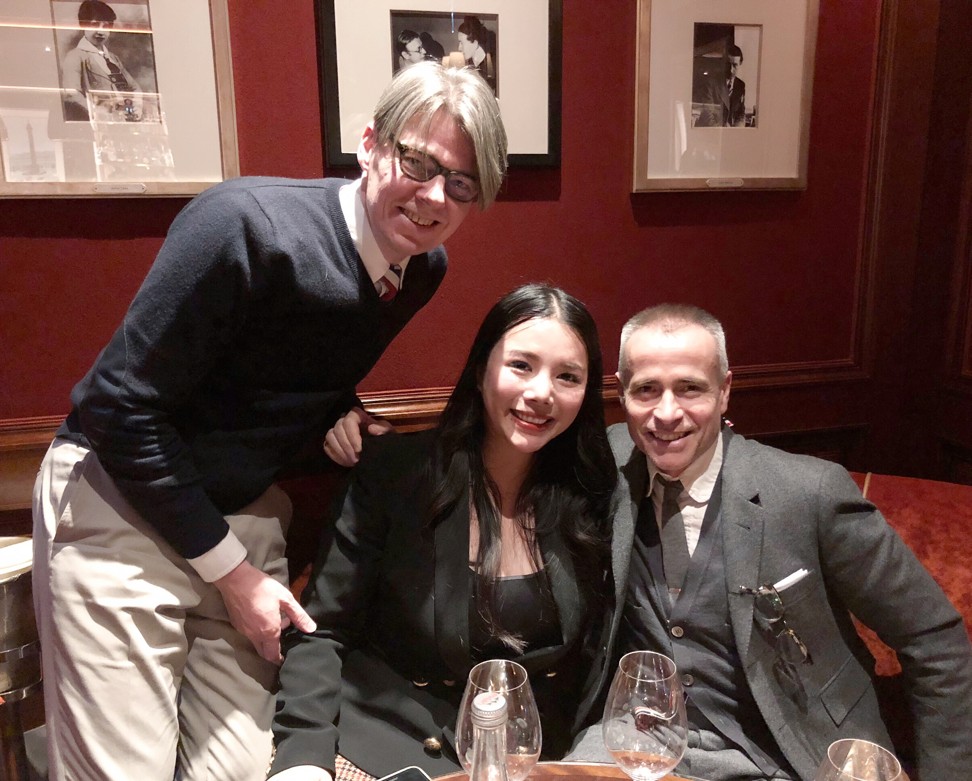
(745, 569)
(734, 112)
(720, 94)
(726, 67)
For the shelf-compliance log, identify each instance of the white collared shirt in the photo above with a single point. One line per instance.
(697, 484)
(352, 207)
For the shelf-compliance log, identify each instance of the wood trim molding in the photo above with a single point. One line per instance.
(834, 443)
(791, 375)
(863, 337)
(959, 326)
(408, 410)
(23, 441)
(957, 460)
(16, 432)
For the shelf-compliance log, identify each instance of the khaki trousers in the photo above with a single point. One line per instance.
(144, 677)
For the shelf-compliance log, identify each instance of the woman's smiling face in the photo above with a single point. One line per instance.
(533, 386)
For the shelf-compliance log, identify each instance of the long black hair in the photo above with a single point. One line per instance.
(569, 486)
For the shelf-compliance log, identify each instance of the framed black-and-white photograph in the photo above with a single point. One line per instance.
(720, 73)
(114, 98)
(514, 44)
(102, 46)
(723, 94)
(434, 35)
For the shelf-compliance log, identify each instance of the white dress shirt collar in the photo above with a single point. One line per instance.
(352, 207)
(86, 46)
(700, 477)
(698, 481)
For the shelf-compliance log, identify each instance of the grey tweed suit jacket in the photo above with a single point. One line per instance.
(781, 512)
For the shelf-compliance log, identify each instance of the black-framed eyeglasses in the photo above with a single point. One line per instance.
(770, 615)
(421, 167)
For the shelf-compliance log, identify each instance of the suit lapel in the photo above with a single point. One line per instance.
(742, 527)
(452, 588)
(563, 585)
(631, 491)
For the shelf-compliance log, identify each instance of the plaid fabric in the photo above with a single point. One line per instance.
(345, 771)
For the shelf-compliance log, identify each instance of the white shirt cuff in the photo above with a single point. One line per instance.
(220, 560)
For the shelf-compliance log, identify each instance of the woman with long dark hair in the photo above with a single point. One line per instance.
(482, 538)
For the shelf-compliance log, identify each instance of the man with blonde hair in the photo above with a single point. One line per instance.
(160, 577)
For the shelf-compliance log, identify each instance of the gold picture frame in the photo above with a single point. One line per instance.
(723, 94)
(136, 105)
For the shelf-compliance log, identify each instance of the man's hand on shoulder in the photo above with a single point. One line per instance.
(260, 608)
(343, 442)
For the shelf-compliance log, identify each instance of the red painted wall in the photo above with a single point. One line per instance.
(778, 268)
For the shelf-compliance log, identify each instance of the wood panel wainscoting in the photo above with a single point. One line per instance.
(956, 462)
(23, 442)
(313, 479)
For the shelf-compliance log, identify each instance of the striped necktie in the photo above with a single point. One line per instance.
(389, 283)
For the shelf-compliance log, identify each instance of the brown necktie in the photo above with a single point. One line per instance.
(675, 553)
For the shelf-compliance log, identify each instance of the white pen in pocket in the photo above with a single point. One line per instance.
(792, 579)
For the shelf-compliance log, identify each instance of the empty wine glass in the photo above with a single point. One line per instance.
(644, 723)
(523, 735)
(858, 760)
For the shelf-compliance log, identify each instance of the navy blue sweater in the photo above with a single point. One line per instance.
(244, 343)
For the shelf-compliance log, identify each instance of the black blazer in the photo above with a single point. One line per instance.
(381, 679)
